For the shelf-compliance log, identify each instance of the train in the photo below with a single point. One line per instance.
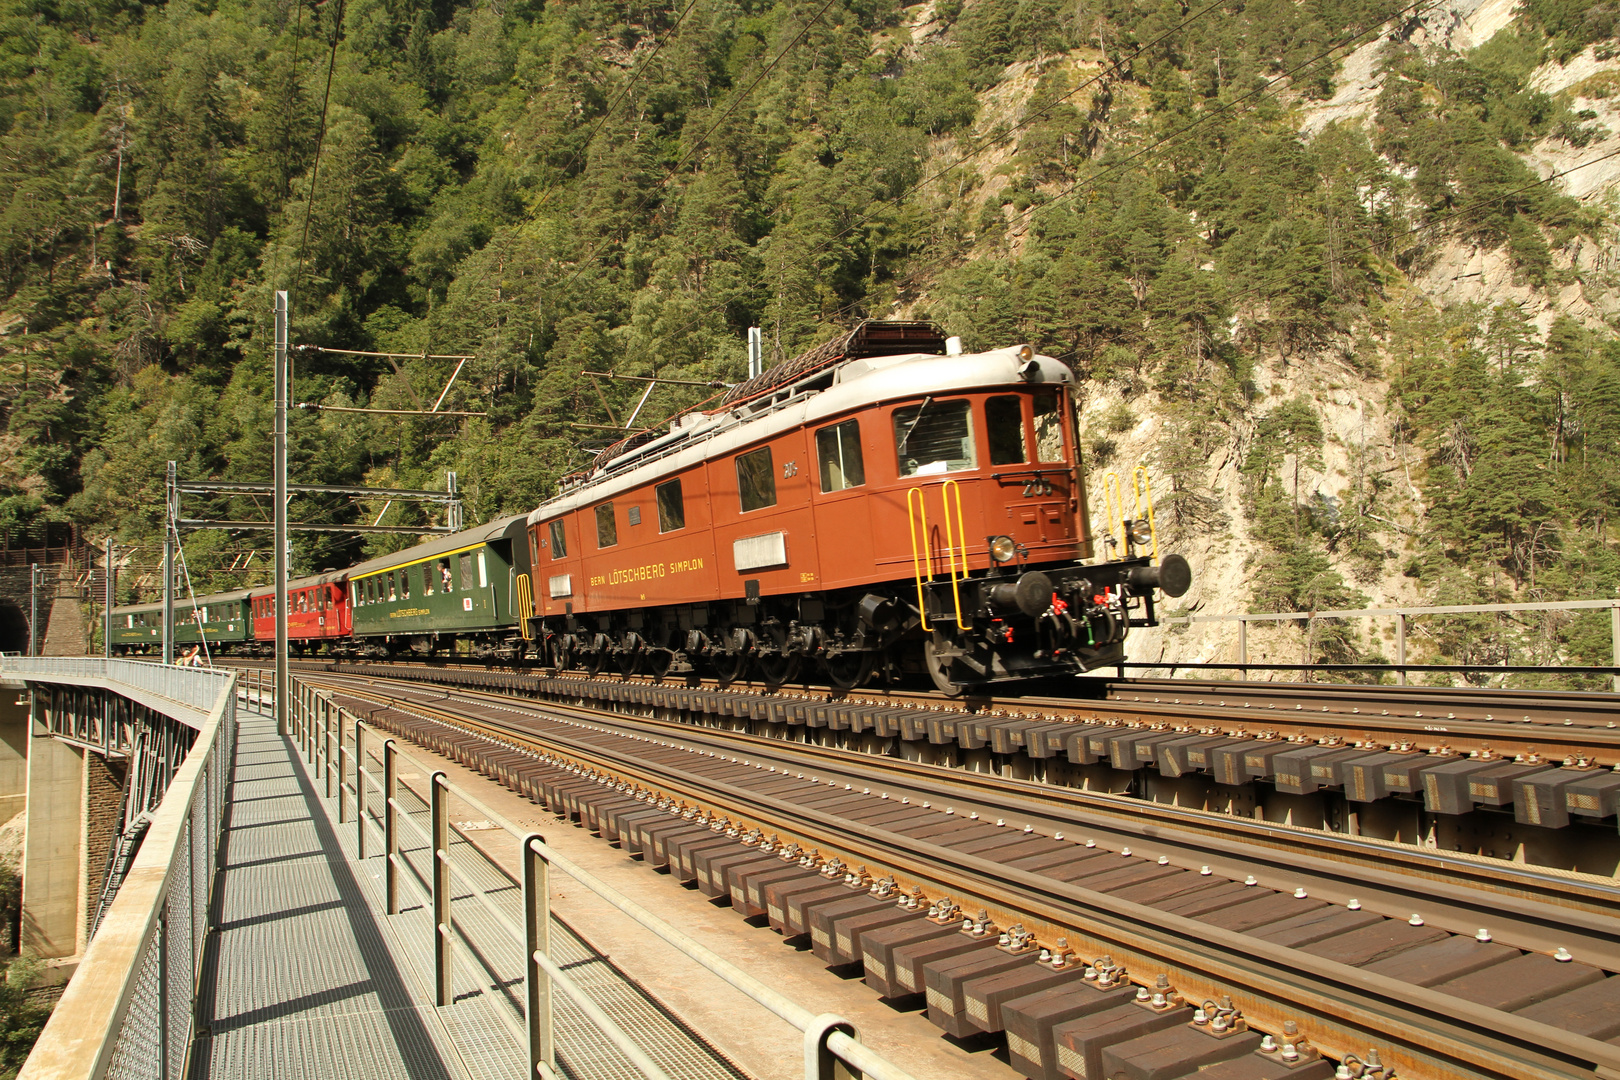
(881, 507)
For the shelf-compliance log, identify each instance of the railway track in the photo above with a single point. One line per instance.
(1258, 755)
(1352, 944)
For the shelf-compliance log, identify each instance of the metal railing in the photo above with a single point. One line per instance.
(129, 1009)
(198, 688)
(1402, 617)
(338, 745)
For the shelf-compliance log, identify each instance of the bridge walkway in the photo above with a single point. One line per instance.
(308, 977)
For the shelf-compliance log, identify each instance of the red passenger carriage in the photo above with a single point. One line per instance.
(317, 612)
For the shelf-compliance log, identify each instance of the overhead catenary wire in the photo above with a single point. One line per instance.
(387, 355)
(320, 142)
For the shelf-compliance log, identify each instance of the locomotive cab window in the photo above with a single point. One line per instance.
(756, 479)
(607, 529)
(671, 510)
(1004, 419)
(838, 452)
(559, 540)
(934, 437)
(1049, 426)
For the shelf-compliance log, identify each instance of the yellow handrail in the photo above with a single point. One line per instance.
(919, 554)
(525, 606)
(955, 547)
(1114, 507)
(1142, 486)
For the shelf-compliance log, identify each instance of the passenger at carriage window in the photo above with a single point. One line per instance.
(405, 583)
(1004, 416)
(838, 452)
(444, 575)
(393, 592)
(934, 437)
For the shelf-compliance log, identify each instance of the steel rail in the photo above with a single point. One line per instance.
(1551, 903)
(1184, 711)
(1348, 1006)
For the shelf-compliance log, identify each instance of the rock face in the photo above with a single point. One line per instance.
(1360, 430)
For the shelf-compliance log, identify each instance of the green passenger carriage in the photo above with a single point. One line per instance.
(224, 623)
(472, 585)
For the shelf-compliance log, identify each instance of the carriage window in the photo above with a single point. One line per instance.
(446, 579)
(466, 571)
(1048, 426)
(756, 479)
(607, 529)
(671, 510)
(1004, 416)
(205, 614)
(427, 579)
(934, 437)
(559, 540)
(838, 449)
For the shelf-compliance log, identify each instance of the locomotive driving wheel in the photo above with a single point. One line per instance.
(778, 669)
(848, 669)
(596, 655)
(730, 663)
(559, 653)
(631, 653)
(940, 670)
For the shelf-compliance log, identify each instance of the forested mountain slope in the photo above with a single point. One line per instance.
(1299, 252)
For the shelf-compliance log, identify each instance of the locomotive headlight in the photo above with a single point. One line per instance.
(1140, 531)
(1003, 548)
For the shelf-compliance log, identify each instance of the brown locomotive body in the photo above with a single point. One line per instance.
(875, 505)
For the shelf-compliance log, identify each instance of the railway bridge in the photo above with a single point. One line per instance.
(438, 871)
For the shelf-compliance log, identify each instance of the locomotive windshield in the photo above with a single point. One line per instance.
(1049, 426)
(1004, 419)
(934, 437)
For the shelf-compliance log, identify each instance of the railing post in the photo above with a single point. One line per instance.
(1614, 643)
(1243, 647)
(326, 745)
(342, 791)
(440, 789)
(390, 838)
(359, 790)
(820, 1063)
(1400, 648)
(537, 933)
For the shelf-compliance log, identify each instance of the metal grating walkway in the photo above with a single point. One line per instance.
(307, 977)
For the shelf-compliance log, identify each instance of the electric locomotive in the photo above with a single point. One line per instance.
(882, 504)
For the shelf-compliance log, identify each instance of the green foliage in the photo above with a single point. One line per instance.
(574, 186)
